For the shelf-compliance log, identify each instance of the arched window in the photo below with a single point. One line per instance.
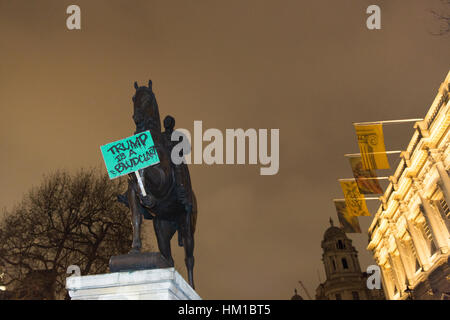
(340, 244)
(344, 263)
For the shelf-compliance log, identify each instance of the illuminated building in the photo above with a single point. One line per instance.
(409, 235)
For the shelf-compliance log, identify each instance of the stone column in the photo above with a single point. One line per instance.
(403, 255)
(398, 274)
(396, 269)
(417, 239)
(392, 281)
(436, 159)
(443, 216)
(391, 273)
(445, 181)
(386, 285)
(439, 234)
(437, 225)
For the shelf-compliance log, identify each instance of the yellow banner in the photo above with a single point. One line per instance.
(371, 145)
(355, 201)
(348, 223)
(366, 179)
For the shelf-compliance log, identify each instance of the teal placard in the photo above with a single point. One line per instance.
(129, 154)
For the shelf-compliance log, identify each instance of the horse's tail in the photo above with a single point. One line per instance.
(193, 215)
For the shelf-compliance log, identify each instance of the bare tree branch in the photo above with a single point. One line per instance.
(67, 220)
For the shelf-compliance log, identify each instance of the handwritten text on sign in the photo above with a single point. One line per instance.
(129, 154)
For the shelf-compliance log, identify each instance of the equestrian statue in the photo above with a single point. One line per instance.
(169, 201)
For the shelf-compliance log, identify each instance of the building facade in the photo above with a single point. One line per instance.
(409, 235)
(345, 280)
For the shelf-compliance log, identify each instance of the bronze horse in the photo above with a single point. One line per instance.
(170, 201)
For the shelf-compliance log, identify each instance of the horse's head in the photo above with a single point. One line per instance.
(146, 112)
(158, 178)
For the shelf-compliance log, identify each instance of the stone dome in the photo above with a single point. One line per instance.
(296, 296)
(333, 232)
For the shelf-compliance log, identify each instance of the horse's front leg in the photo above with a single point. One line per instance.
(136, 219)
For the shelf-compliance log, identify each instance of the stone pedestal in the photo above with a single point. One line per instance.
(156, 284)
(138, 261)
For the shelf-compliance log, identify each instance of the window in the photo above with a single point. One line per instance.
(427, 233)
(427, 230)
(429, 236)
(355, 295)
(344, 263)
(334, 264)
(340, 244)
(338, 296)
(444, 208)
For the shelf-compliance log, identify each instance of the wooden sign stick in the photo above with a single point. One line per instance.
(141, 185)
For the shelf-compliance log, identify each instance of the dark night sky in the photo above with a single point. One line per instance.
(309, 68)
